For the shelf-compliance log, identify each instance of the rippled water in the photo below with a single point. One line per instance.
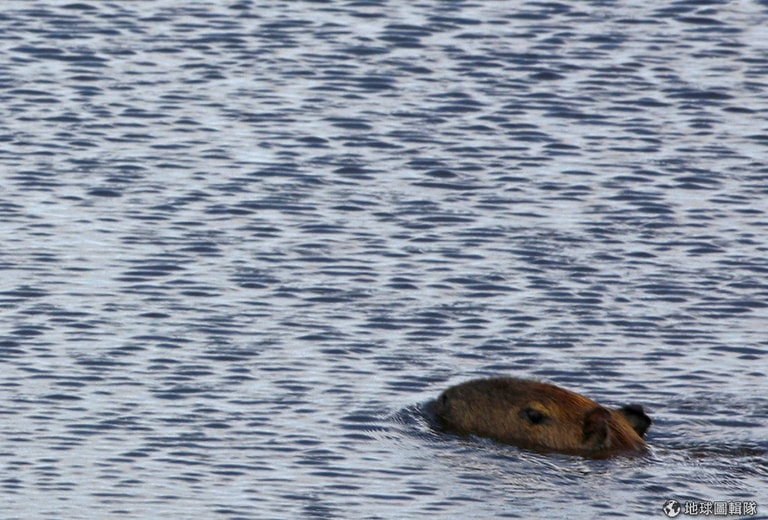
(245, 243)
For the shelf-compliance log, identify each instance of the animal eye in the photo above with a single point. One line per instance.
(533, 416)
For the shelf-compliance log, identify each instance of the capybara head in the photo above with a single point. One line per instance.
(540, 416)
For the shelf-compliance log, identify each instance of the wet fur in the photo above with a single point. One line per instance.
(540, 416)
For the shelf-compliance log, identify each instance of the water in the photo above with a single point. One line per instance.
(245, 243)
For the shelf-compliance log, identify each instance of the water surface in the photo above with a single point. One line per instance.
(245, 243)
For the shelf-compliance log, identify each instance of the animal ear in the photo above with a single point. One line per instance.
(595, 425)
(635, 416)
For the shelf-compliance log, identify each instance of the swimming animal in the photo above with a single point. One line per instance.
(542, 417)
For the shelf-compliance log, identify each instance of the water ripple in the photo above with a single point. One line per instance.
(246, 245)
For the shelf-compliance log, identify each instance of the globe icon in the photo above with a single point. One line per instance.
(671, 508)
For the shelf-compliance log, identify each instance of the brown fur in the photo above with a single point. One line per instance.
(540, 416)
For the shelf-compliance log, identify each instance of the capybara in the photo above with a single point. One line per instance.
(541, 417)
